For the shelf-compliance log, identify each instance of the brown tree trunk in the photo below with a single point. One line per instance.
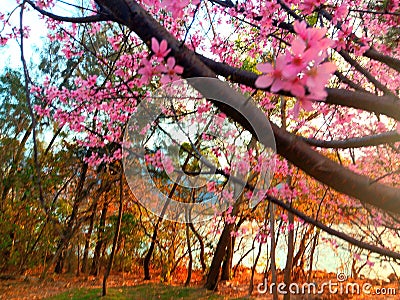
(94, 270)
(227, 264)
(313, 247)
(147, 258)
(60, 263)
(201, 242)
(253, 270)
(287, 276)
(190, 263)
(273, 246)
(116, 236)
(88, 237)
(213, 274)
(70, 230)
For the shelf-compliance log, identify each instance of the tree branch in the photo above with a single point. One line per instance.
(361, 100)
(88, 19)
(358, 142)
(341, 235)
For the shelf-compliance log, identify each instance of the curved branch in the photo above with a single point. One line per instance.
(366, 74)
(341, 235)
(358, 142)
(391, 62)
(361, 100)
(371, 53)
(295, 150)
(88, 19)
(346, 56)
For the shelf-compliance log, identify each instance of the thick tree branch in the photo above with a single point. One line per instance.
(334, 175)
(361, 100)
(365, 141)
(391, 62)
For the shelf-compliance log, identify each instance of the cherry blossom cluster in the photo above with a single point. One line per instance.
(159, 161)
(176, 8)
(167, 72)
(302, 70)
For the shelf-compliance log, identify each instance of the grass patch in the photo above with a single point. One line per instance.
(141, 292)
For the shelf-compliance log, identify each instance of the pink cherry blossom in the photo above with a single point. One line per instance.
(303, 102)
(170, 71)
(160, 49)
(272, 75)
(318, 75)
(147, 71)
(177, 7)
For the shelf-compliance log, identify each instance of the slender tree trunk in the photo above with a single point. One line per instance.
(313, 247)
(253, 270)
(87, 241)
(219, 255)
(201, 242)
(273, 247)
(70, 230)
(298, 259)
(289, 259)
(147, 258)
(116, 236)
(190, 263)
(78, 268)
(60, 262)
(94, 270)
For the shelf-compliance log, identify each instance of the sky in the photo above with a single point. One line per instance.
(10, 54)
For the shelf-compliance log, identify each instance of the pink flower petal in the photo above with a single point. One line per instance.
(263, 81)
(154, 45)
(265, 68)
(163, 46)
(170, 62)
(277, 85)
(178, 69)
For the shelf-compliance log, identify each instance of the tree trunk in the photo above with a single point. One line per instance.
(116, 236)
(70, 230)
(200, 239)
(94, 270)
(313, 247)
(190, 263)
(273, 246)
(147, 258)
(213, 274)
(60, 263)
(87, 242)
(227, 264)
(253, 270)
(289, 259)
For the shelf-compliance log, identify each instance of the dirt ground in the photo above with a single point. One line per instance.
(30, 287)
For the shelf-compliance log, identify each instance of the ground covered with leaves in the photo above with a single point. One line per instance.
(132, 286)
